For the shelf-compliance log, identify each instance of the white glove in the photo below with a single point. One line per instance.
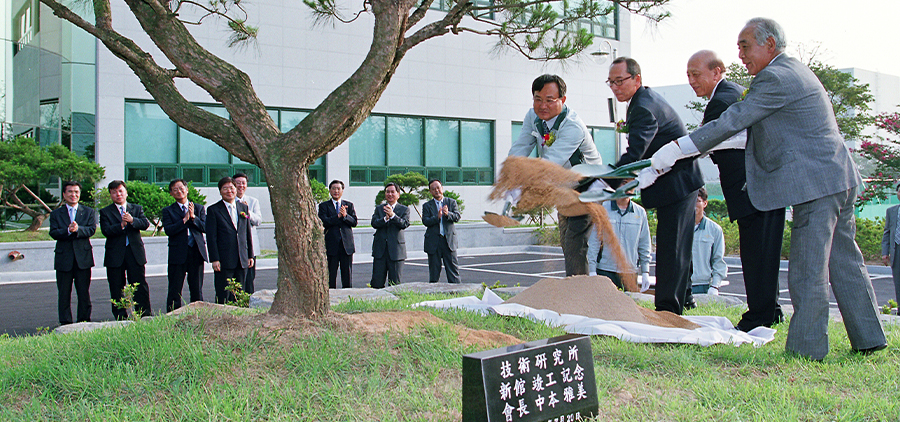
(645, 282)
(713, 291)
(647, 177)
(513, 195)
(666, 156)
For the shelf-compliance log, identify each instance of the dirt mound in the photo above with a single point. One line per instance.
(218, 321)
(594, 297)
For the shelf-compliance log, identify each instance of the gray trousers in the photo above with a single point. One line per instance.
(823, 251)
(573, 235)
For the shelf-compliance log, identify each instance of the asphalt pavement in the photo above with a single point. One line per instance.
(28, 303)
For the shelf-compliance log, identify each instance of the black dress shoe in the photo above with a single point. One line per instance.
(870, 350)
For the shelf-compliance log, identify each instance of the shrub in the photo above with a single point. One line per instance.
(868, 237)
(320, 191)
(547, 235)
(717, 210)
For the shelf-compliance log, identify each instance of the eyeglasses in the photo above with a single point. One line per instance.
(618, 82)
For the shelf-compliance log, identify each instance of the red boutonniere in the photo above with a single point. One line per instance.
(244, 215)
(621, 126)
(549, 138)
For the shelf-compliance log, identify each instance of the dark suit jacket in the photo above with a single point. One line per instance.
(338, 231)
(177, 229)
(73, 250)
(732, 172)
(232, 247)
(389, 234)
(653, 123)
(432, 219)
(111, 226)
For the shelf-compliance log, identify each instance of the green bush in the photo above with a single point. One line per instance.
(868, 237)
(717, 210)
(320, 191)
(547, 235)
(732, 237)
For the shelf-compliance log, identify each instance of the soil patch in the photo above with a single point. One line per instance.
(217, 321)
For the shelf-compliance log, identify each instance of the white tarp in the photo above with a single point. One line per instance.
(713, 329)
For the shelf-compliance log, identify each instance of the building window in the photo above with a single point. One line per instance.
(605, 140)
(157, 150)
(453, 150)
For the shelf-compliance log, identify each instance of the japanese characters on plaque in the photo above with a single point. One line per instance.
(545, 380)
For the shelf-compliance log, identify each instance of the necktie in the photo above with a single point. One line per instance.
(122, 214)
(337, 207)
(233, 214)
(897, 229)
(71, 214)
(544, 128)
(190, 238)
(438, 205)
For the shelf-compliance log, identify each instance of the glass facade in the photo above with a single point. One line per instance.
(157, 150)
(455, 151)
(49, 83)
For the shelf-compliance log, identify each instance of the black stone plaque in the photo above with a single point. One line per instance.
(544, 380)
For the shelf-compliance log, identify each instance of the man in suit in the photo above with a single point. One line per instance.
(889, 243)
(651, 122)
(122, 223)
(796, 157)
(760, 231)
(184, 223)
(389, 246)
(228, 240)
(440, 217)
(339, 219)
(72, 227)
(240, 181)
(562, 138)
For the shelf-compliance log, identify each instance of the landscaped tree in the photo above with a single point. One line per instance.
(24, 166)
(249, 133)
(884, 155)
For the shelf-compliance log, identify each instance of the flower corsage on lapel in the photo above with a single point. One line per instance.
(621, 126)
(244, 215)
(744, 94)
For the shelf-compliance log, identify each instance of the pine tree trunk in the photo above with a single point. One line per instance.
(302, 272)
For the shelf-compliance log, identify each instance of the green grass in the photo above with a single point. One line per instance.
(170, 369)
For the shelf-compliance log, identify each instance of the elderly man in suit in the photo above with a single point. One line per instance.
(184, 223)
(796, 157)
(760, 231)
(240, 181)
(122, 223)
(389, 246)
(339, 218)
(889, 243)
(561, 137)
(651, 123)
(72, 226)
(440, 217)
(228, 238)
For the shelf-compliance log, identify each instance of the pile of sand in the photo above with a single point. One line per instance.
(594, 297)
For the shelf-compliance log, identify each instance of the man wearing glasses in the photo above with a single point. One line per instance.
(561, 137)
(651, 123)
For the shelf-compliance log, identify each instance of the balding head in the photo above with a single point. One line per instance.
(704, 71)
